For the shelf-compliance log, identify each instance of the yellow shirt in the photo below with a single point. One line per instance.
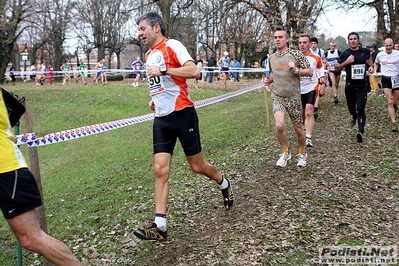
(10, 156)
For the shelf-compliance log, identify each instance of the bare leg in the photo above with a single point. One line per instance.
(27, 230)
(309, 119)
(390, 100)
(162, 163)
(280, 129)
(300, 133)
(200, 166)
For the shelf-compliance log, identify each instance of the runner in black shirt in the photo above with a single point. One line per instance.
(354, 61)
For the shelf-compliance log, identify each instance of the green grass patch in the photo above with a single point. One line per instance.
(94, 185)
(98, 189)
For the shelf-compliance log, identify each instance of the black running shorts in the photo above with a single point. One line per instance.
(386, 83)
(181, 124)
(18, 193)
(308, 98)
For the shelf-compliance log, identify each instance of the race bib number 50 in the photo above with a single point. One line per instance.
(358, 71)
(156, 85)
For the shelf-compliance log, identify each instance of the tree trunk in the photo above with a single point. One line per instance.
(118, 60)
(381, 28)
(101, 52)
(165, 6)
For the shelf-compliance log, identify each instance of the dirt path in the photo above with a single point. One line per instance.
(348, 194)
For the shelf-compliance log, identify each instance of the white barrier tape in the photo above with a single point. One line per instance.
(121, 71)
(76, 133)
(57, 137)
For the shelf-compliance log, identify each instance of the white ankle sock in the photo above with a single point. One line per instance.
(161, 223)
(224, 184)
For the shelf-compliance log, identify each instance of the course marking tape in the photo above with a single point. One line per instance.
(32, 141)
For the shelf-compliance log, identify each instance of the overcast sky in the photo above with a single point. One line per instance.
(334, 23)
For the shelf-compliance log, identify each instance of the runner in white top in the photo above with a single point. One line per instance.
(314, 48)
(332, 56)
(389, 61)
(169, 65)
(310, 87)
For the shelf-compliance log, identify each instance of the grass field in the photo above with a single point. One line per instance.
(98, 189)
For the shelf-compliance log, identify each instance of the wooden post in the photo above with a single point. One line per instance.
(35, 169)
(266, 92)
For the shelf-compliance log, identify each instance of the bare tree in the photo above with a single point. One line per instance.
(101, 24)
(55, 23)
(12, 15)
(387, 16)
(297, 15)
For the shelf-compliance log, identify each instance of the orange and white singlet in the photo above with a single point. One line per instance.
(312, 83)
(168, 93)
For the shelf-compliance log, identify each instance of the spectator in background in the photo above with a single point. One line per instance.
(33, 73)
(236, 65)
(396, 46)
(43, 69)
(373, 79)
(231, 73)
(210, 67)
(224, 65)
(264, 61)
(200, 65)
(50, 70)
(12, 74)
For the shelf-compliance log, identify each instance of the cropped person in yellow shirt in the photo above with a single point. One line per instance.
(19, 194)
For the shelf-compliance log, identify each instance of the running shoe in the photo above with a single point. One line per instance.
(394, 128)
(152, 232)
(315, 115)
(335, 99)
(359, 137)
(284, 157)
(309, 142)
(228, 196)
(302, 159)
